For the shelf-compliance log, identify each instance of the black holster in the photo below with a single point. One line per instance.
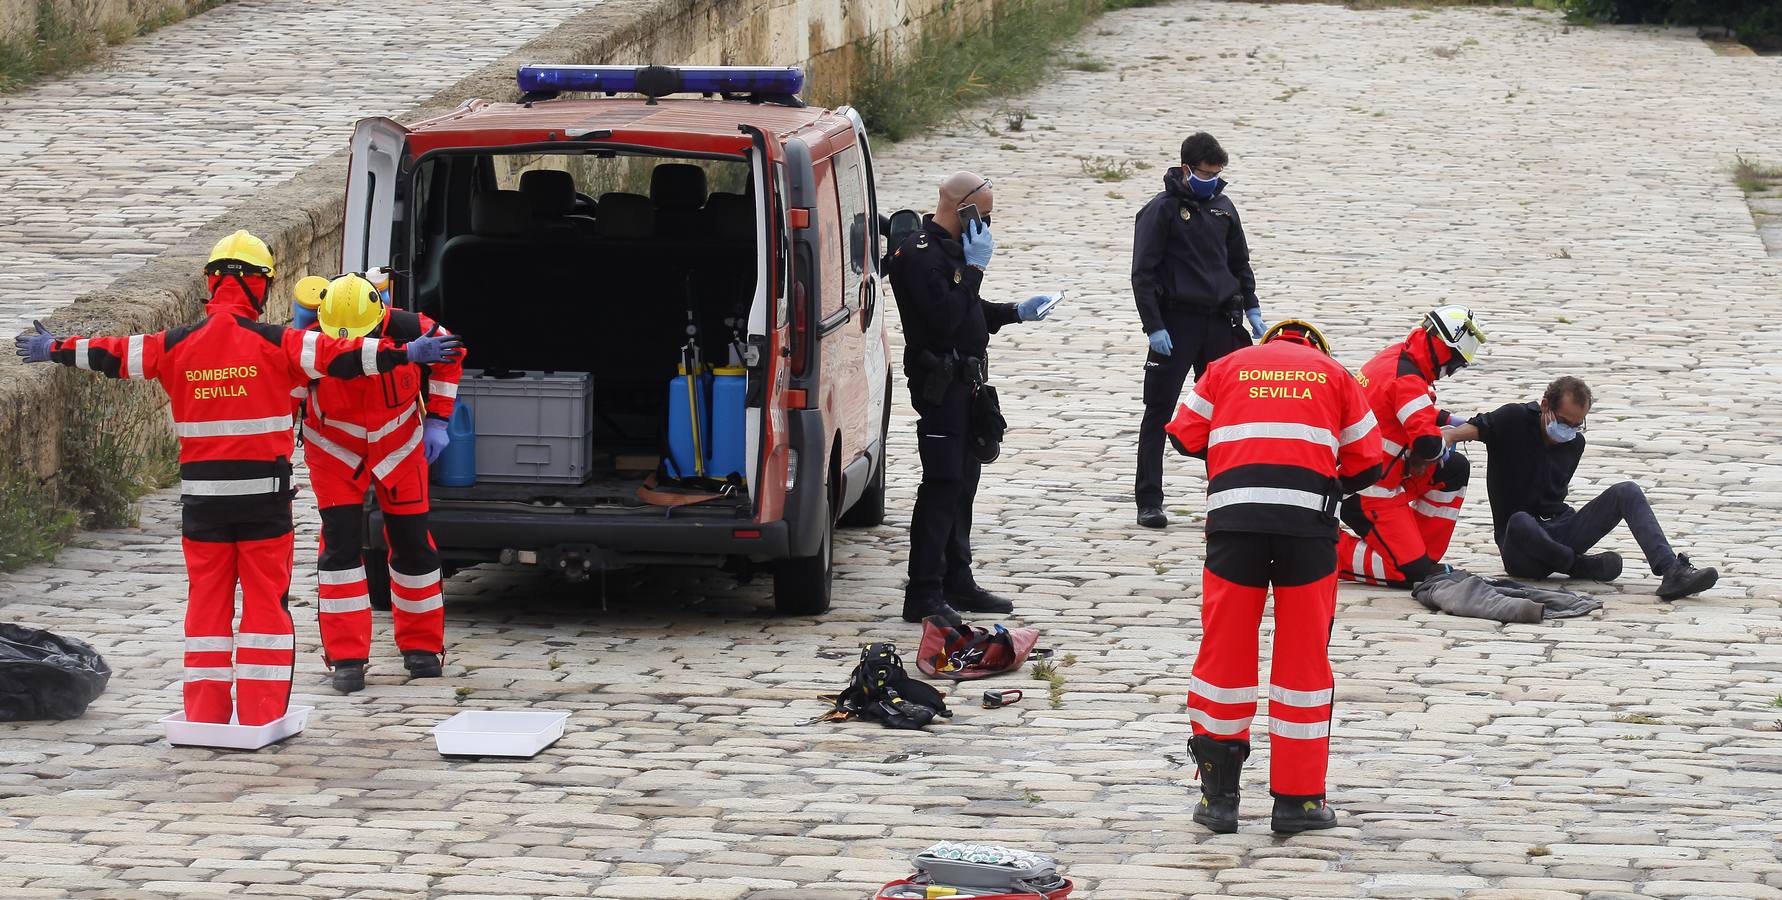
(932, 374)
(1233, 308)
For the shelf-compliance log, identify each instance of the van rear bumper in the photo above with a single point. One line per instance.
(465, 533)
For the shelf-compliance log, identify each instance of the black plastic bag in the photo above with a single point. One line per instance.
(47, 676)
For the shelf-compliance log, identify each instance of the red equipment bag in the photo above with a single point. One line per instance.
(916, 890)
(967, 652)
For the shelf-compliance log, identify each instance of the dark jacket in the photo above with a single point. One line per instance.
(1526, 473)
(1190, 252)
(937, 297)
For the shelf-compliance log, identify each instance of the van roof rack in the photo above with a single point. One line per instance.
(756, 84)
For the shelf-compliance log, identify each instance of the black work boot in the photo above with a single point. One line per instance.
(1296, 814)
(1683, 579)
(1604, 566)
(422, 664)
(1220, 765)
(349, 677)
(976, 599)
(917, 607)
(1152, 517)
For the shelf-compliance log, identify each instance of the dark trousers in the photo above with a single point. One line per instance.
(1198, 338)
(940, 527)
(1534, 548)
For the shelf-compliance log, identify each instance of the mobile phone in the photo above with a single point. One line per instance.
(968, 215)
(1046, 307)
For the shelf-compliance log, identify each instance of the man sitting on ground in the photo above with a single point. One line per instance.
(1535, 448)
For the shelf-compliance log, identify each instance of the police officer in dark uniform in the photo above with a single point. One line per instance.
(1192, 281)
(935, 274)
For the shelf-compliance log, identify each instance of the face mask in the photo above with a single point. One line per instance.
(1202, 187)
(1560, 432)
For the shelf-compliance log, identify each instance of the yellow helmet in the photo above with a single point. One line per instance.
(241, 254)
(309, 290)
(1298, 331)
(350, 307)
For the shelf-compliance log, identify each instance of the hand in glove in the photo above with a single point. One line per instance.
(435, 349)
(1029, 309)
(1160, 343)
(1455, 421)
(978, 244)
(35, 348)
(434, 439)
(1254, 314)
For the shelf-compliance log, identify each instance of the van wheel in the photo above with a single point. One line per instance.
(377, 579)
(801, 585)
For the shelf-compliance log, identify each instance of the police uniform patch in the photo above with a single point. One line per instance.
(1186, 215)
(922, 241)
(958, 275)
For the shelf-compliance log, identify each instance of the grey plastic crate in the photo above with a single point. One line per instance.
(532, 427)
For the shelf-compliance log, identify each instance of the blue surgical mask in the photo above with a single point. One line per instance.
(1202, 187)
(1560, 432)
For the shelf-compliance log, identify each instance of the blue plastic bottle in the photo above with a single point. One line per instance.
(456, 466)
(729, 433)
(689, 425)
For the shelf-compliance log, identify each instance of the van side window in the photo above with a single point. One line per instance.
(850, 188)
(833, 273)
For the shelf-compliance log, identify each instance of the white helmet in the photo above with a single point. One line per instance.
(1454, 326)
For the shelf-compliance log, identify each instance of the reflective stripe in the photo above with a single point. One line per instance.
(383, 469)
(1218, 726)
(1285, 431)
(368, 355)
(1392, 448)
(416, 607)
(346, 457)
(1380, 492)
(1358, 430)
(251, 672)
(1276, 496)
(239, 488)
(80, 355)
(1301, 731)
(209, 644)
(1219, 694)
(1434, 511)
(1200, 406)
(415, 582)
(133, 358)
(1379, 565)
(1444, 496)
(386, 429)
(1290, 697)
(341, 576)
(233, 427)
(265, 641)
(346, 428)
(1358, 559)
(308, 358)
(299, 393)
(1410, 408)
(209, 673)
(345, 604)
(442, 388)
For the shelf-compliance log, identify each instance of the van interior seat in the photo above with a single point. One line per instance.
(679, 191)
(553, 197)
(500, 272)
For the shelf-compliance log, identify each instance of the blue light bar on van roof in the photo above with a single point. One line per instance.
(660, 81)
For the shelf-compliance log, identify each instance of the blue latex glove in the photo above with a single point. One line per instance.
(435, 349)
(978, 244)
(1029, 309)
(35, 348)
(434, 439)
(1160, 342)
(1455, 421)
(302, 317)
(1254, 314)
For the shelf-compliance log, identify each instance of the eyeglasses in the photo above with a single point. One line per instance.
(1580, 427)
(972, 192)
(1205, 175)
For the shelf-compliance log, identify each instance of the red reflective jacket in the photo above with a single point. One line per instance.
(377, 421)
(1400, 386)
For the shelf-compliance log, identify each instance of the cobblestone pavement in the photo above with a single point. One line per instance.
(101, 170)
(1569, 185)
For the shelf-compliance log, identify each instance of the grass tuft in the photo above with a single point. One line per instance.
(1105, 168)
(1044, 670)
(1638, 719)
(33, 525)
(1754, 178)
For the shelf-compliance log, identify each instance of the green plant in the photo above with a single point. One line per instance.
(1777, 703)
(1756, 23)
(33, 525)
(1068, 660)
(1105, 168)
(1028, 795)
(60, 42)
(115, 449)
(1015, 119)
(1754, 178)
(1044, 670)
(1086, 64)
(1539, 851)
(1638, 719)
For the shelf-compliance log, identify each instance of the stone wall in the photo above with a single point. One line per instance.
(18, 18)
(301, 219)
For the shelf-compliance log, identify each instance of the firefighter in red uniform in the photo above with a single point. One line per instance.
(1285, 432)
(1399, 529)
(381, 434)
(230, 377)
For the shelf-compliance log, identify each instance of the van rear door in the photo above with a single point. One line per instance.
(768, 367)
(379, 146)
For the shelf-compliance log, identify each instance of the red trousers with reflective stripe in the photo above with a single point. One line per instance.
(258, 656)
(1413, 526)
(416, 603)
(1222, 696)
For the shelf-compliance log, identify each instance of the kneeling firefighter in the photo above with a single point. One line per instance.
(1285, 432)
(1402, 525)
(378, 434)
(230, 378)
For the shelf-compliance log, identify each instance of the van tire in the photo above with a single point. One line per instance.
(377, 579)
(869, 510)
(801, 585)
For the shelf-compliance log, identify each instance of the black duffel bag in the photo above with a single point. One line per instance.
(47, 676)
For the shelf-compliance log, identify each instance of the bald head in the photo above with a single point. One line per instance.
(960, 189)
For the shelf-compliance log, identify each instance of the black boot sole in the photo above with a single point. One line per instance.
(1296, 827)
(1216, 825)
(351, 687)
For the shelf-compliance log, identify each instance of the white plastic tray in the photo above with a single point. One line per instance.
(499, 732)
(182, 733)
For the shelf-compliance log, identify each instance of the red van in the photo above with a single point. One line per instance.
(589, 248)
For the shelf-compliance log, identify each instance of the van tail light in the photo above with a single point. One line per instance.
(791, 470)
(801, 327)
